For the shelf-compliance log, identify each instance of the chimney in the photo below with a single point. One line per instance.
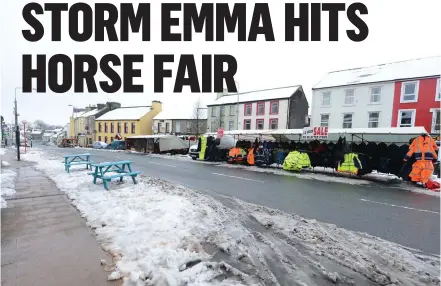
(101, 105)
(157, 105)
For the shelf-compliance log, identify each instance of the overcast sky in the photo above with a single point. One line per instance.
(398, 30)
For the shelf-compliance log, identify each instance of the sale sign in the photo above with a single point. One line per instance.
(317, 132)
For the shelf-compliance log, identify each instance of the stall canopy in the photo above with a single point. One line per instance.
(166, 142)
(395, 135)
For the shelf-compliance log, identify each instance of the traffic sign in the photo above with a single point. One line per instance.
(24, 122)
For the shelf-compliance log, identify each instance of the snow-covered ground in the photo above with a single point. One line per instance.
(7, 178)
(164, 234)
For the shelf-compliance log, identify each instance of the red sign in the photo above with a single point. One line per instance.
(319, 132)
(220, 133)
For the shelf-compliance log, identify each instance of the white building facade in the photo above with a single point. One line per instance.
(353, 106)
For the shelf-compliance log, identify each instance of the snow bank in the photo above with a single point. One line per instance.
(7, 178)
(2, 151)
(5, 163)
(163, 234)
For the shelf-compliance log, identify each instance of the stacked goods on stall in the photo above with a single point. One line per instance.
(424, 151)
(296, 161)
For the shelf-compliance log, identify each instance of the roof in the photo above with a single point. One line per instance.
(416, 68)
(91, 113)
(180, 113)
(126, 113)
(258, 95)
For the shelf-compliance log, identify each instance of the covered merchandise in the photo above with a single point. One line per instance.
(296, 161)
(237, 155)
(424, 150)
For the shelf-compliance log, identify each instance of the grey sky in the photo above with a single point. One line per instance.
(398, 30)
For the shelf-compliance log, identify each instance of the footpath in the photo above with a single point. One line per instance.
(44, 241)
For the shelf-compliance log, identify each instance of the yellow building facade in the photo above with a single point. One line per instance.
(126, 122)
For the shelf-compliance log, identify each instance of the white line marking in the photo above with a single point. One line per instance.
(237, 177)
(161, 164)
(397, 206)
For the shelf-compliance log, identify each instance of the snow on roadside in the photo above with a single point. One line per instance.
(2, 151)
(157, 232)
(379, 260)
(7, 178)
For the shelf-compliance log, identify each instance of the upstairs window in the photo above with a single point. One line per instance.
(260, 108)
(349, 97)
(409, 92)
(118, 128)
(222, 111)
(406, 118)
(326, 98)
(232, 110)
(248, 109)
(133, 128)
(274, 123)
(126, 127)
(324, 120)
(213, 111)
(438, 90)
(112, 129)
(99, 128)
(375, 94)
(259, 124)
(274, 105)
(374, 118)
(105, 127)
(347, 120)
(247, 124)
(435, 121)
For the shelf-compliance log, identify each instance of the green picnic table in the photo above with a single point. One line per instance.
(76, 159)
(120, 169)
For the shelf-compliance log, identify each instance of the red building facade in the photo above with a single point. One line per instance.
(417, 103)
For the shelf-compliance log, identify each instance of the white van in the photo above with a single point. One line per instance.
(226, 142)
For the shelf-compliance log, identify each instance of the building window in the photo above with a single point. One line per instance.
(213, 126)
(126, 127)
(167, 127)
(438, 90)
(111, 139)
(375, 94)
(347, 120)
(259, 124)
(274, 123)
(222, 111)
(247, 109)
(99, 138)
(189, 126)
(324, 120)
(232, 110)
(105, 127)
(133, 128)
(374, 118)
(247, 124)
(230, 125)
(112, 129)
(105, 139)
(326, 98)
(118, 127)
(349, 97)
(409, 91)
(260, 108)
(274, 107)
(213, 111)
(435, 121)
(406, 117)
(99, 127)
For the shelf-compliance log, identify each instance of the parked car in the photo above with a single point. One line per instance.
(99, 145)
(117, 145)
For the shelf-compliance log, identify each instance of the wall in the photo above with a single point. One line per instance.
(298, 111)
(147, 120)
(360, 108)
(282, 116)
(226, 119)
(112, 134)
(426, 102)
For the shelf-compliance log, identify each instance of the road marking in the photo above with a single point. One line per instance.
(161, 164)
(397, 206)
(237, 177)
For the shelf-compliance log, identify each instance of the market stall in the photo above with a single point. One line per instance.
(157, 144)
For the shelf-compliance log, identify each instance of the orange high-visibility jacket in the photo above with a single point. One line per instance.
(422, 148)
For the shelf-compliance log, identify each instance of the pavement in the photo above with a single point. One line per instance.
(44, 241)
(410, 219)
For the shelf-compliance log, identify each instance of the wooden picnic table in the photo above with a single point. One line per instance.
(77, 159)
(121, 168)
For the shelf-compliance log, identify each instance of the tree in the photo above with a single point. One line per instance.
(197, 125)
(40, 124)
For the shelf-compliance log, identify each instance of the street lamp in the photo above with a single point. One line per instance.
(17, 129)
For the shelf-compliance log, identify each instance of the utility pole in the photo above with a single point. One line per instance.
(17, 129)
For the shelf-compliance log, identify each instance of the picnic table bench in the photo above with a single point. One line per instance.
(77, 159)
(121, 168)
